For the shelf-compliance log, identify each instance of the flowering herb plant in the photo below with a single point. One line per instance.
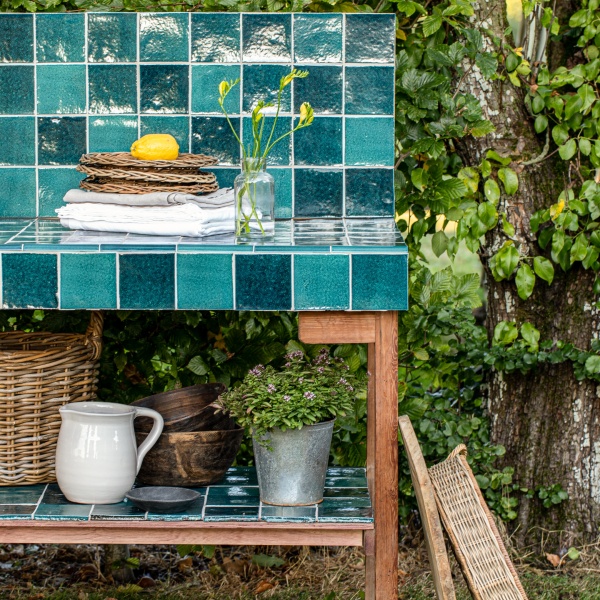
(302, 392)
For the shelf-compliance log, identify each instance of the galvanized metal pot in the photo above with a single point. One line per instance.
(292, 471)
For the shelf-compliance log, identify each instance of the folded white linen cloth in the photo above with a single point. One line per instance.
(179, 219)
(222, 197)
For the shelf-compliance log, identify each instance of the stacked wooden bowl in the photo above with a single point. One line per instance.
(199, 442)
(121, 173)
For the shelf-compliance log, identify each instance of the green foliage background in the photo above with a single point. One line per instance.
(443, 353)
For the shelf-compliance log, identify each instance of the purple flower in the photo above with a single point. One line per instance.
(321, 369)
(271, 388)
(287, 398)
(342, 381)
(309, 395)
(300, 379)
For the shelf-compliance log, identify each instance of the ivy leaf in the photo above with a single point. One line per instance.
(198, 366)
(573, 106)
(503, 160)
(579, 248)
(439, 243)
(560, 134)
(585, 146)
(505, 261)
(543, 268)
(487, 214)
(591, 257)
(541, 123)
(579, 19)
(587, 95)
(567, 151)
(505, 333)
(510, 180)
(531, 335)
(507, 227)
(492, 191)
(592, 365)
(431, 24)
(525, 281)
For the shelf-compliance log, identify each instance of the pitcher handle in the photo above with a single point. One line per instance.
(152, 437)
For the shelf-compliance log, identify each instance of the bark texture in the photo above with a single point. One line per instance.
(548, 422)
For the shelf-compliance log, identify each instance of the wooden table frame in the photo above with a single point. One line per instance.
(380, 539)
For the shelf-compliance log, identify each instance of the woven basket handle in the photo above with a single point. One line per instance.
(461, 450)
(93, 334)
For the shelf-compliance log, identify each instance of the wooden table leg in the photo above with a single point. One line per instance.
(380, 332)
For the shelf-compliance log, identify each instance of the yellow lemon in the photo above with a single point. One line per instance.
(155, 146)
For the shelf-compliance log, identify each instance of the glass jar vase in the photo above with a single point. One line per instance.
(254, 200)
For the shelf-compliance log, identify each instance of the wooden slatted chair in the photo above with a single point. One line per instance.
(474, 537)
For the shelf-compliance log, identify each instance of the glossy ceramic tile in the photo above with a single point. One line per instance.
(282, 153)
(61, 140)
(23, 284)
(164, 37)
(231, 513)
(88, 281)
(61, 89)
(117, 512)
(369, 90)
(17, 89)
(112, 37)
(318, 193)
(30, 494)
(379, 281)
(266, 37)
(17, 192)
(369, 142)
(164, 88)
(319, 144)
(232, 496)
(321, 281)
(205, 88)
(215, 37)
(52, 185)
(16, 38)
(370, 192)
(112, 134)
(283, 193)
(178, 127)
(112, 89)
(204, 281)
(60, 37)
(289, 514)
(370, 38)
(18, 511)
(147, 281)
(23, 130)
(261, 82)
(213, 136)
(318, 38)
(62, 512)
(263, 282)
(322, 89)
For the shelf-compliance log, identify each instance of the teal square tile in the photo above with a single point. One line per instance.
(370, 192)
(112, 134)
(231, 513)
(239, 476)
(281, 154)
(233, 496)
(359, 473)
(213, 136)
(205, 88)
(88, 281)
(347, 502)
(164, 88)
(322, 88)
(29, 281)
(369, 90)
(354, 493)
(370, 142)
(321, 282)
(345, 514)
(261, 82)
(29, 494)
(193, 513)
(164, 38)
(61, 89)
(215, 37)
(53, 184)
(17, 90)
(147, 281)
(112, 37)
(16, 511)
(117, 512)
(318, 38)
(16, 38)
(318, 193)
(288, 514)
(263, 282)
(266, 37)
(379, 282)
(61, 140)
(283, 192)
(20, 133)
(53, 495)
(17, 193)
(204, 282)
(63, 512)
(351, 479)
(371, 38)
(319, 144)
(112, 89)
(178, 127)
(60, 37)
(225, 177)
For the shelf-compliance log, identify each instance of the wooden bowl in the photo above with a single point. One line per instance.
(185, 409)
(190, 458)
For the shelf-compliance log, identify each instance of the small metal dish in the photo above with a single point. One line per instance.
(162, 499)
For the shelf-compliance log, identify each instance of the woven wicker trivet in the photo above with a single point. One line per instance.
(124, 159)
(150, 175)
(124, 186)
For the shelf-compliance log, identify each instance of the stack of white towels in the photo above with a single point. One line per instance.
(161, 213)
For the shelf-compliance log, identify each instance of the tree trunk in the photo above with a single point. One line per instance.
(114, 565)
(548, 421)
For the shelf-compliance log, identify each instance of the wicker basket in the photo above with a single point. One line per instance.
(39, 372)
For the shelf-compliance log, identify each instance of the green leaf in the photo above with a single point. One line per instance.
(592, 365)
(512, 62)
(506, 261)
(482, 128)
(487, 214)
(265, 561)
(198, 366)
(585, 146)
(574, 105)
(507, 227)
(505, 333)
(525, 281)
(503, 160)
(470, 177)
(579, 19)
(579, 248)
(439, 243)
(537, 104)
(421, 354)
(487, 63)
(573, 553)
(567, 151)
(560, 134)
(540, 124)
(587, 95)
(492, 191)
(510, 180)
(531, 335)
(543, 268)
(431, 24)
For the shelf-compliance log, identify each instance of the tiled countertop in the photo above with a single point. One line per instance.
(235, 498)
(309, 264)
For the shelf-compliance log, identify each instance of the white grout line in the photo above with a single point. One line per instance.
(292, 290)
(35, 119)
(58, 279)
(175, 299)
(118, 278)
(233, 288)
(344, 113)
(350, 281)
(37, 504)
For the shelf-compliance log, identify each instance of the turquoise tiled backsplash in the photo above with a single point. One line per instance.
(77, 83)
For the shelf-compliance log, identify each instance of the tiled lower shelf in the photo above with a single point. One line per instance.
(234, 499)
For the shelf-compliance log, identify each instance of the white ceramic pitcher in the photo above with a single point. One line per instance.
(96, 456)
